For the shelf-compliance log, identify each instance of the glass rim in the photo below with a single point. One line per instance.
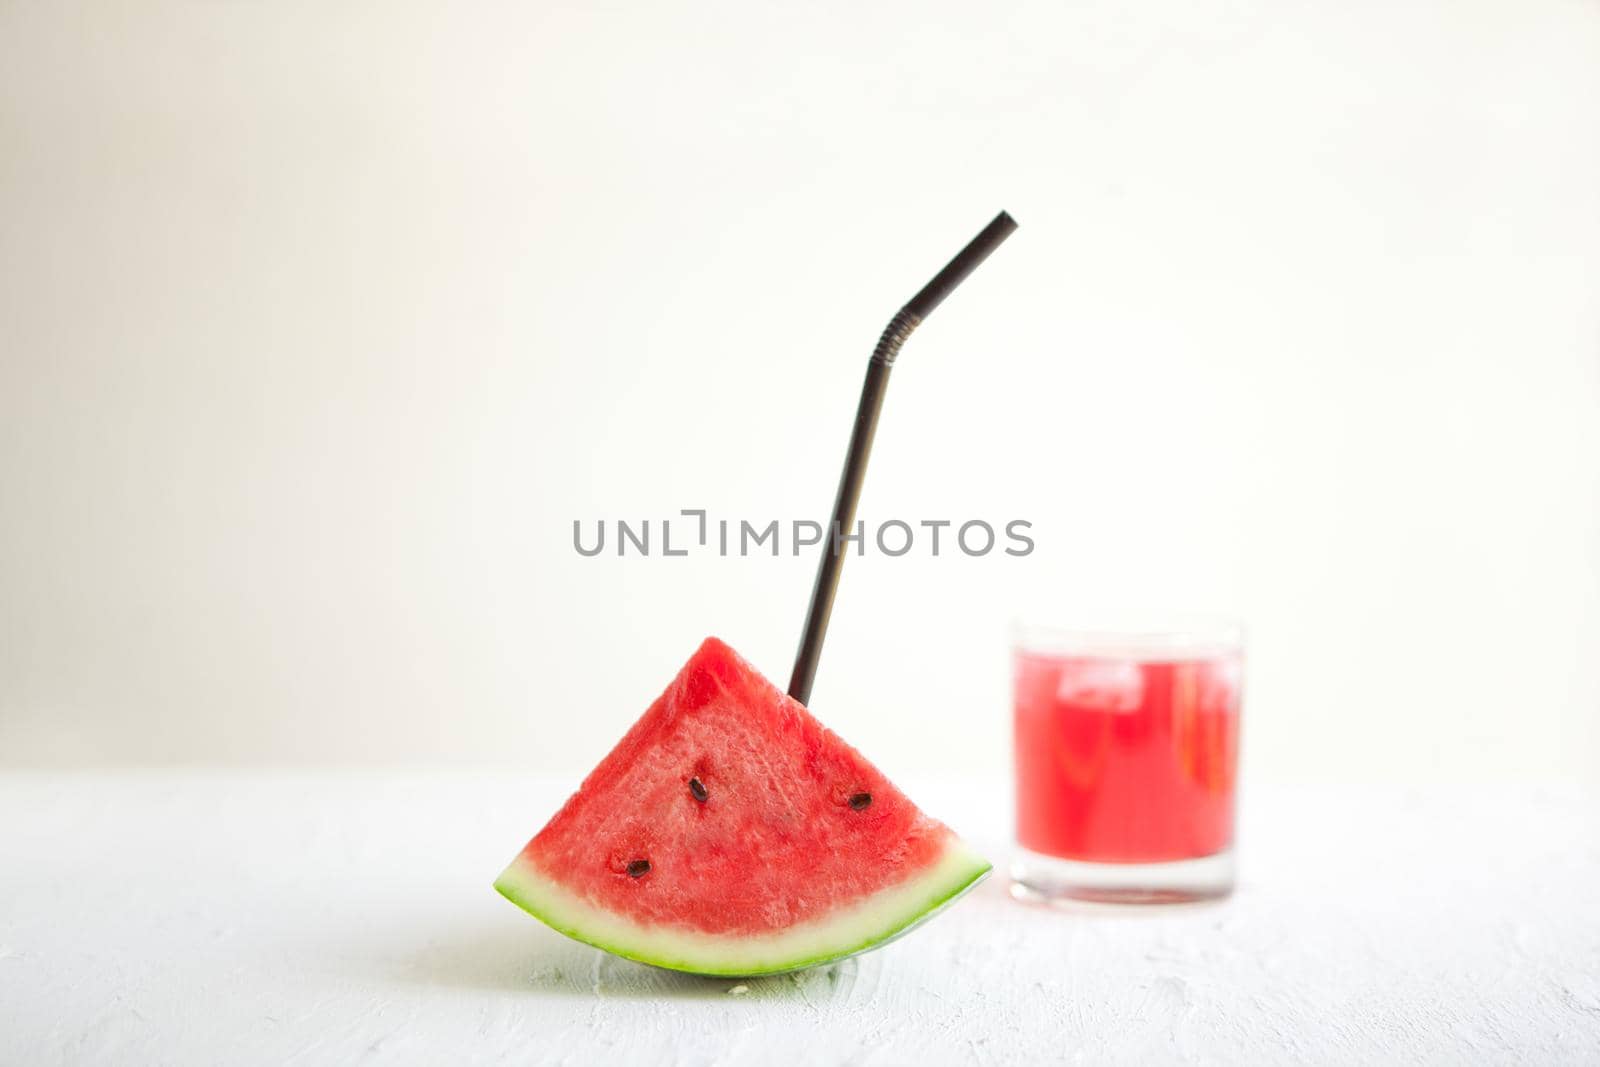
(1160, 637)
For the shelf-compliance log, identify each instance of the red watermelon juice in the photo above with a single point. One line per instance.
(1127, 757)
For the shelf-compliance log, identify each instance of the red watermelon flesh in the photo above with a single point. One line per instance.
(729, 832)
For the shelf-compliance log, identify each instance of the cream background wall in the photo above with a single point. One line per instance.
(319, 325)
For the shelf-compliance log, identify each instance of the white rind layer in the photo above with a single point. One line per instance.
(868, 924)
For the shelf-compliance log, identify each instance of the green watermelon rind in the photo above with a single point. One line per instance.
(869, 924)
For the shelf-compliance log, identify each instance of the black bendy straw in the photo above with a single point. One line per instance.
(908, 318)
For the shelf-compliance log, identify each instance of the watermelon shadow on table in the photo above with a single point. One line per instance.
(729, 833)
(486, 960)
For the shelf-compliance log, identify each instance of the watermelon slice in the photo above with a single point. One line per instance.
(730, 833)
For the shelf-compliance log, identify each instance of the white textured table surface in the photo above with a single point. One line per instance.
(199, 918)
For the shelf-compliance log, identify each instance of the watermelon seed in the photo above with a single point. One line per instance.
(860, 801)
(698, 790)
(638, 868)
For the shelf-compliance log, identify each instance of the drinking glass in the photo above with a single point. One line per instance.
(1127, 743)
